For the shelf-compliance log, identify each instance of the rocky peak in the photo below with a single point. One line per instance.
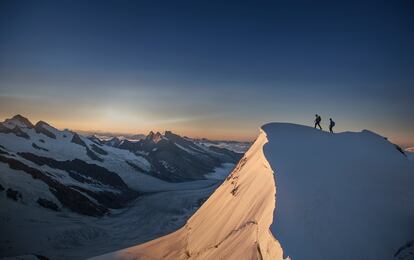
(169, 134)
(42, 127)
(154, 137)
(42, 123)
(19, 120)
(77, 140)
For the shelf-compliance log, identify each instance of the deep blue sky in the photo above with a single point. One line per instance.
(209, 68)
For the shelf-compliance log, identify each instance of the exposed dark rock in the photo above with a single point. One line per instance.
(1, 188)
(13, 194)
(400, 150)
(95, 139)
(69, 197)
(47, 204)
(2, 151)
(90, 173)
(39, 148)
(174, 158)
(81, 178)
(96, 172)
(408, 249)
(93, 156)
(40, 128)
(77, 140)
(114, 142)
(19, 132)
(99, 150)
(109, 199)
(41, 140)
(154, 137)
(42, 257)
(64, 136)
(135, 167)
(132, 146)
(16, 130)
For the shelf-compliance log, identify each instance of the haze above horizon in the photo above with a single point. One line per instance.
(209, 69)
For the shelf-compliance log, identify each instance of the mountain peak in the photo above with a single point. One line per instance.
(19, 120)
(42, 127)
(42, 123)
(169, 133)
(154, 137)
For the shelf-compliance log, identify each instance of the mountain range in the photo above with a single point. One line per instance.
(91, 176)
(297, 193)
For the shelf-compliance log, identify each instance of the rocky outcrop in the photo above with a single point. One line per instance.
(34, 145)
(13, 194)
(174, 158)
(41, 128)
(68, 196)
(99, 150)
(76, 139)
(93, 171)
(47, 204)
(15, 130)
(154, 137)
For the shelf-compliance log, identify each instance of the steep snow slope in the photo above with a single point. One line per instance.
(232, 224)
(338, 196)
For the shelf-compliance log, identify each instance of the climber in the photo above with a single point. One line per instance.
(318, 120)
(331, 125)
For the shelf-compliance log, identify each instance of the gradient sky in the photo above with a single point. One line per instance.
(209, 68)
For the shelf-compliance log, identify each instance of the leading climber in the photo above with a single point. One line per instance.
(318, 120)
(331, 125)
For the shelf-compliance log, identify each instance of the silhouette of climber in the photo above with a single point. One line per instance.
(331, 125)
(318, 120)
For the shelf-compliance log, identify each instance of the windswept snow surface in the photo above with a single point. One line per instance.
(340, 196)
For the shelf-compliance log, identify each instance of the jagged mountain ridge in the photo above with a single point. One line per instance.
(89, 176)
(176, 158)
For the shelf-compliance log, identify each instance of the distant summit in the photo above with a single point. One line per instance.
(42, 127)
(176, 158)
(154, 137)
(18, 120)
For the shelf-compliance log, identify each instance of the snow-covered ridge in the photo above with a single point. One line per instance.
(410, 153)
(222, 228)
(341, 196)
